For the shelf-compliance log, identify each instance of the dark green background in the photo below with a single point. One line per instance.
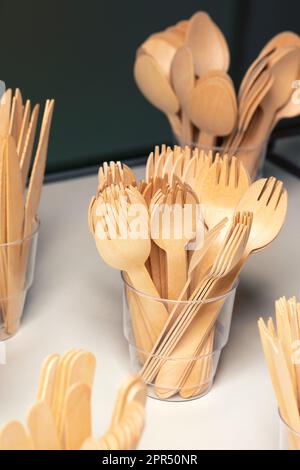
(82, 53)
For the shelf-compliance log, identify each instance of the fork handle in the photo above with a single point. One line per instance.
(177, 272)
(154, 311)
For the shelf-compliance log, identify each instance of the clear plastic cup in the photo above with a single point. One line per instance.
(196, 369)
(17, 262)
(253, 157)
(289, 438)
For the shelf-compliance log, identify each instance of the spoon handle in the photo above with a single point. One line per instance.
(206, 140)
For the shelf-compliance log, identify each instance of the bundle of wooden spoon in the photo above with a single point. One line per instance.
(281, 348)
(189, 263)
(61, 418)
(18, 206)
(182, 71)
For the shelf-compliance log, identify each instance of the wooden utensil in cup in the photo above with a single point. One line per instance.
(175, 329)
(284, 71)
(207, 43)
(226, 182)
(155, 87)
(183, 79)
(177, 358)
(212, 108)
(125, 252)
(267, 200)
(173, 223)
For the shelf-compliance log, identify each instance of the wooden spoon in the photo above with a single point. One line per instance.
(183, 79)
(250, 77)
(283, 39)
(155, 86)
(212, 107)
(208, 46)
(289, 110)
(248, 108)
(161, 51)
(284, 72)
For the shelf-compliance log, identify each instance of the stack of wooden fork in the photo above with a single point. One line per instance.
(179, 273)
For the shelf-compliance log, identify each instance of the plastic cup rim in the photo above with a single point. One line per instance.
(30, 236)
(288, 426)
(220, 149)
(181, 302)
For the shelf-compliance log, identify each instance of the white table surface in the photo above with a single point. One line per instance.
(76, 302)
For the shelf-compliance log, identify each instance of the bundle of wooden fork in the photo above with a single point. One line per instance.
(61, 418)
(235, 220)
(183, 71)
(281, 349)
(18, 207)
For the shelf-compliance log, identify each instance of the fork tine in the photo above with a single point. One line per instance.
(101, 229)
(112, 168)
(187, 152)
(101, 177)
(224, 171)
(122, 220)
(189, 171)
(158, 171)
(111, 222)
(231, 234)
(105, 168)
(283, 200)
(201, 157)
(119, 165)
(128, 175)
(177, 168)
(178, 195)
(239, 248)
(167, 168)
(267, 190)
(233, 173)
(234, 245)
(169, 197)
(276, 194)
(150, 167)
(157, 153)
(210, 157)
